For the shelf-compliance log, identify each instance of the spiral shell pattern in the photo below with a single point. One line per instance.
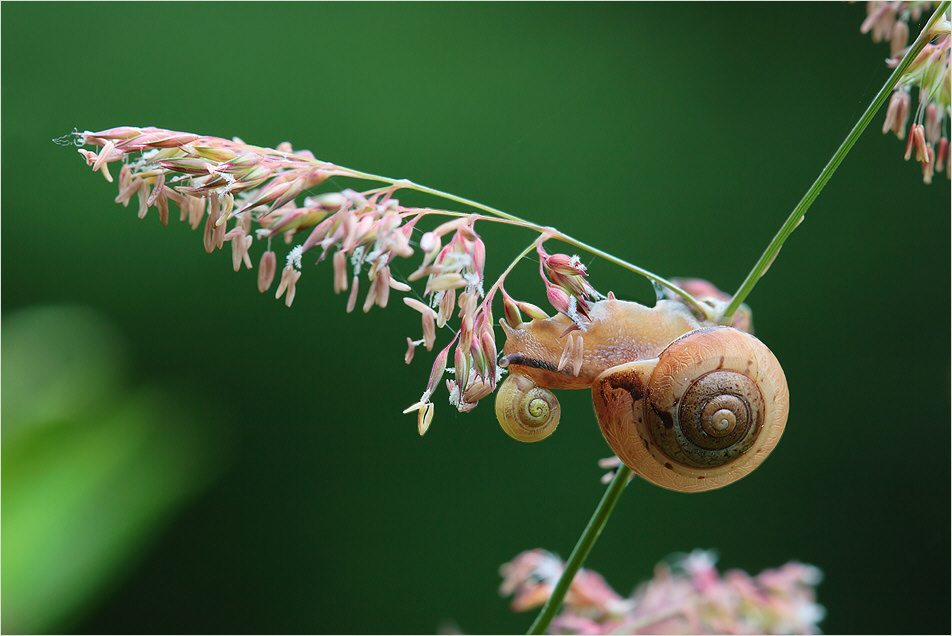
(705, 414)
(526, 411)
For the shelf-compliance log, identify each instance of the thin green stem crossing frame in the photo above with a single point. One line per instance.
(617, 485)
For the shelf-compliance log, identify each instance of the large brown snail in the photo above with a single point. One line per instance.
(685, 404)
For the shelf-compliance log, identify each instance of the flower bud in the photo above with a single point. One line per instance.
(436, 372)
(565, 264)
(534, 312)
(933, 124)
(340, 272)
(558, 298)
(352, 299)
(478, 356)
(941, 154)
(479, 257)
(487, 342)
(899, 37)
(511, 310)
(451, 280)
(465, 333)
(461, 366)
(266, 270)
(447, 303)
(429, 329)
(430, 242)
(381, 284)
(922, 148)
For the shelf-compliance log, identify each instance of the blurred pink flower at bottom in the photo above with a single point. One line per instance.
(687, 595)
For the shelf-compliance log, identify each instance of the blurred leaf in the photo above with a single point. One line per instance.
(57, 360)
(91, 473)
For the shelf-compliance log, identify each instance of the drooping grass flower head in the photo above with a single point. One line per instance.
(240, 194)
(929, 74)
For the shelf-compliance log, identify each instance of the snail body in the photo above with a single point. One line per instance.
(684, 404)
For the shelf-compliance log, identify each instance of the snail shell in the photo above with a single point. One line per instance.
(686, 406)
(703, 414)
(525, 411)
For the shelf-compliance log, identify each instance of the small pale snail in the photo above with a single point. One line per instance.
(526, 411)
(686, 405)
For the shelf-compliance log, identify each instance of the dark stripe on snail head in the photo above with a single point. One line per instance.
(521, 360)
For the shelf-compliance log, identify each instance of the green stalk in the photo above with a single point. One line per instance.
(582, 548)
(797, 215)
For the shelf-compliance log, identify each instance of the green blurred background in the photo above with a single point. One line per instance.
(276, 487)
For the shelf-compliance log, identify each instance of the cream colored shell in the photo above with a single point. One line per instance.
(525, 411)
